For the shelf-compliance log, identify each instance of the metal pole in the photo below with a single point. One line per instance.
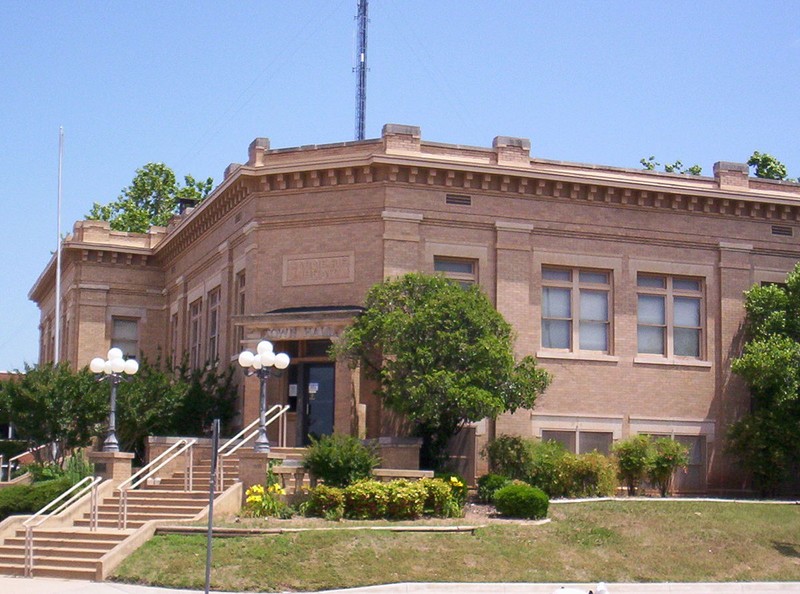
(211, 492)
(262, 442)
(111, 444)
(57, 338)
(361, 70)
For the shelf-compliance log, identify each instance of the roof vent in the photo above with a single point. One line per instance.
(782, 231)
(458, 199)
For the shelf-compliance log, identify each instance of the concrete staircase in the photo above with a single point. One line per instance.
(76, 552)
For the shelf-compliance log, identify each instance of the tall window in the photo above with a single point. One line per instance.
(213, 325)
(195, 329)
(670, 315)
(239, 303)
(173, 338)
(462, 270)
(125, 336)
(575, 309)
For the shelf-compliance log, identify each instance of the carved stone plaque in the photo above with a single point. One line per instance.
(318, 269)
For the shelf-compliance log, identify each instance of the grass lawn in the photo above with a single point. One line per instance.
(619, 541)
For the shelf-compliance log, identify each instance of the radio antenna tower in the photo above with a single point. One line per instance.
(361, 70)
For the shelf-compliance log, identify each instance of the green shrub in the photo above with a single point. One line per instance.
(521, 501)
(589, 475)
(632, 455)
(488, 484)
(437, 497)
(666, 456)
(509, 455)
(405, 499)
(324, 501)
(339, 460)
(366, 500)
(28, 499)
(44, 472)
(548, 469)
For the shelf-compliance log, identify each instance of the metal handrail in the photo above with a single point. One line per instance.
(230, 442)
(278, 412)
(150, 469)
(91, 486)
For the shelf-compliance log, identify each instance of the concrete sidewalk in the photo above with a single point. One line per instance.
(10, 585)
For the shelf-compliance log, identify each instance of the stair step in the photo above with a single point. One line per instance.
(134, 515)
(132, 524)
(49, 548)
(164, 494)
(71, 562)
(78, 535)
(47, 570)
(143, 507)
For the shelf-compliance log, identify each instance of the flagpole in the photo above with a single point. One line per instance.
(57, 346)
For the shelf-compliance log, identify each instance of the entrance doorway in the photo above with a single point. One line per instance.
(311, 389)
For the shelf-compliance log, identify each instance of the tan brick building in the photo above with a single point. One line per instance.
(626, 284)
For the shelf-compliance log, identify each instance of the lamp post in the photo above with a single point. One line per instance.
(261, 365)
(112, 370)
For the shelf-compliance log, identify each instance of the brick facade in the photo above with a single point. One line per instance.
(301, 234)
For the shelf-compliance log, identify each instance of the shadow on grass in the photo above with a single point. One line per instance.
(787, 549)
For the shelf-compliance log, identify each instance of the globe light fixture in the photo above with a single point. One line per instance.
(263, 364)
(114, 369)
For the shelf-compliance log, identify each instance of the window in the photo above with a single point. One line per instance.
(239, 302)
(173, 338)
(669, 316)
(125, 336)
(461, 270)
(213, 326)
(581, 442)
(195, 339)
(575, 309)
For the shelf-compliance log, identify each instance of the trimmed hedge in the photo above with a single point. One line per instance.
(521, 501)
(28, 499)
(373, 500)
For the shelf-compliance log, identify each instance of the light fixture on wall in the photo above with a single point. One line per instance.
(264, 363)
(113, 370)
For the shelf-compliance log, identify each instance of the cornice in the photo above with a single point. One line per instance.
(537, 180)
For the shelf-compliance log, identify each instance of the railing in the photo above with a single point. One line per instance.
(276, 412)
(89, 488)
(148, 471)
(14, 461)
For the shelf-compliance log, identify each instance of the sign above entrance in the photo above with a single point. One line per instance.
(299, 332)
(318, 269)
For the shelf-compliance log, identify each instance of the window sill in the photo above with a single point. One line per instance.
(672, 362)
(579, 356)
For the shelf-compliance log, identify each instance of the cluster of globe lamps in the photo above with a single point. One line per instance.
(113, 370)
(263, 363)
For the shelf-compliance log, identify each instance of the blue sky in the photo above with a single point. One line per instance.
(190, 84)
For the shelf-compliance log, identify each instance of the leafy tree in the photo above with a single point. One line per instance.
(160, 400)
(147, 405)
(650, 164)
(442, 355)
(211, 394)
(151, 199)
(767, 440)
(53, 404)
(766, 166)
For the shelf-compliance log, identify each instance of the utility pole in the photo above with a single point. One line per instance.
(361, 70)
